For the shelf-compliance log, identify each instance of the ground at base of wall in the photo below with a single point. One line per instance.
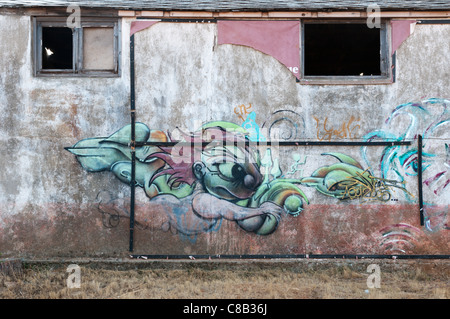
(227, 279)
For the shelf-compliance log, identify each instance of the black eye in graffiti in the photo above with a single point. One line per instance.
(238, 172)
(232, 171)
(238, 175)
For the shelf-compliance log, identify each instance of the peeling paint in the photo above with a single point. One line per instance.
(50, 206)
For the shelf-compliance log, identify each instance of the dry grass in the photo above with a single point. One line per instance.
(293, 280)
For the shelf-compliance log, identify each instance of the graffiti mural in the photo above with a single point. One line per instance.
(211, 175)
(349, 180)
(431, 119)
(219, 174)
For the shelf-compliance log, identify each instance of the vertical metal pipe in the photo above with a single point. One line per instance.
(132, 142)
(394, 66)
(419, 174)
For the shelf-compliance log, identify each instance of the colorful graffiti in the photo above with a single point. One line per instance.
(431, 119)
(216, 173)
(255, 133)
(349, 180)
(209, 175)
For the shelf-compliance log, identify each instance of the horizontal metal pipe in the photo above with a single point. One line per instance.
(443, 21)
(280, 143)
(292, 256)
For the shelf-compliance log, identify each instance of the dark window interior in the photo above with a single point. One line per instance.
(341, 50)
(57, 48)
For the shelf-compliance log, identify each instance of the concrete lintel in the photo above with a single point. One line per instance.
(344, 14)
(150, 13)
(240, 14)
(191, 14)
(126, 13)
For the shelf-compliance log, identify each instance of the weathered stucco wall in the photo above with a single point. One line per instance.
(46, 200)
(53, 206)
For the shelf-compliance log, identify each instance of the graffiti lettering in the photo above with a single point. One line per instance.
(242, 111)
(345, 131)
(348, 180)
(110, 210)
(368, 187)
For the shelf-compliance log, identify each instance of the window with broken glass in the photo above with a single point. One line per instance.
(92, 49)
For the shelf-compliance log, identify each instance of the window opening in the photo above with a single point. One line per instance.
(57, 47)
(341, 50)
(89, 50)
(345, 52)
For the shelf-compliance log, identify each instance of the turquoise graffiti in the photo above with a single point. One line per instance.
(210, 175)
(253, 129)
(431, 119)
(398, 165)
(217, 173)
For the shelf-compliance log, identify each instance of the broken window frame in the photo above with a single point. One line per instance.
(77, 53)
(385, 58)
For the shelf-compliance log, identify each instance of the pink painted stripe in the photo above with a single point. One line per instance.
(401, 30)
(279, 39)
(137, 26)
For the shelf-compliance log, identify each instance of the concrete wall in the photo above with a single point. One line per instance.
(46, 200)
(53, 206)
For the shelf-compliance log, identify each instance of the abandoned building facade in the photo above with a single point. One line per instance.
(239, 128)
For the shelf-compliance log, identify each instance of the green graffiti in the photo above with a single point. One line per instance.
(330, 180)
(348, 180)
(211, 174)
(216, 173)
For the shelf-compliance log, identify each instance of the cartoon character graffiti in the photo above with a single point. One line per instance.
(216, 174)
(209, 175)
